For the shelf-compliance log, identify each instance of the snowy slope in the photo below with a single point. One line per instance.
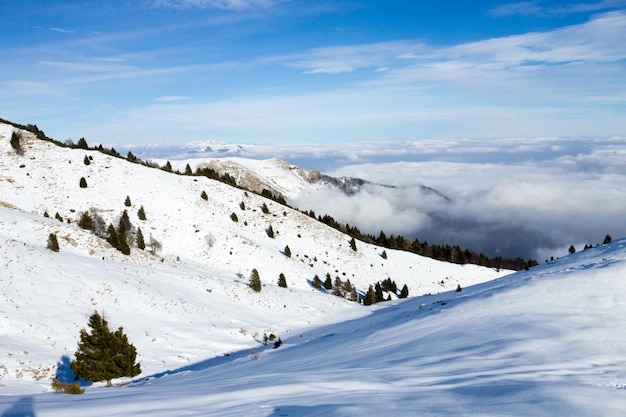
(188, 303)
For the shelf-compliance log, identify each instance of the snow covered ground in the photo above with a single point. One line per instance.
(549, 341)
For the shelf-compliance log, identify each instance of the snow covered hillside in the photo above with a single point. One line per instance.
(545, 342)
(190, 301)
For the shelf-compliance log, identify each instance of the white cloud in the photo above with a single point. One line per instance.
(536, 8)
(218, 4)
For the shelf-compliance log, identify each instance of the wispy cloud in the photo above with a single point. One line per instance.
(218, 4)
(537, 8)
(169, 99)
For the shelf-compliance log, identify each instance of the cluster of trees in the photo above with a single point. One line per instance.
(124, 235)
(346, 290)
(446, 253)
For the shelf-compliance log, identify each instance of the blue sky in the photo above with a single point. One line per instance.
(289, 72)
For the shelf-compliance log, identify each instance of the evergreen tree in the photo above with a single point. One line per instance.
(58, 217)
(255, 280)
(370, 297)
(82, 143)
(234, 217)
(378, 289)
(83, 182)
(141, 244)
(103, 355)
(127, 202)
(404, 292)
(86, 160)
(265, 209)
(270, 231)
(188, 170)
(328, 283)
(124, 226)
(112, 237)
(242, 205)
(15, 142)
(204, 195)
(384, 255)
(122, 244)
(353, 244)
(607, 240)
(458, 288)
(572, 249)
(282, 281)
(53, 243)
(287, 251)
(85, 221)
(141, 213)
(167, 167)
(317, 283)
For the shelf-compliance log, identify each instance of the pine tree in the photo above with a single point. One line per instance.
(328, 283)
(572, 249)
(86, 160)
(370, 297)
(53, 243)
(141, 244)
(607, 240)
(282, 281)
(122, 244)
(127, 202)
(265, 209)
(167, 167)
(188, 170)
(353, 244)
(112, 236)
(141, 213)
(287, 251)
(15, 142)
(404, 292)
(82, 143)
(85, 221)
(204, 195)
(270, 231)
(83, 182)
(317, 283)
(255, 280)
(103, 355)
(242, 205)
(384, 255)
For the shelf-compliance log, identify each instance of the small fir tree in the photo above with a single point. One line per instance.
(16, 142)
(58, 217)
(188, 170)
(317, 283)
(384, 254)
(265, 209)
(234, 217)
(141, 213)
(572, 249)
(404, 292)
(255, 280)
(122, 244)
(83, 182)
(282, 281)
(287, 251)
(127, 202)
(270, 231)
(204, 195)
(85, 221)
(82, 143)
(607, 240)
(370, 297)
(139, 240)
(242, 205)
(112, 237)
(328, 283)
(353, 244)
(103, 355)
(86, 160)
(167, 167)
(53, 243)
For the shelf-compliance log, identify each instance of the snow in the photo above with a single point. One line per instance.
(544, 342)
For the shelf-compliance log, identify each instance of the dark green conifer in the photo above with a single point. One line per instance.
(255, 280)
(287, 251)
(85, 222)
(103, 355)
(112, 237)
(282, 281)
(204, 195)
(328, 283)
(83, 182)
(141, 213)
(53, 243)
(141, 244)
(404, 292)
(317, 283)
(127, 202)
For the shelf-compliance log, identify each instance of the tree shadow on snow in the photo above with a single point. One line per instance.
(22, 408)
(65, 374)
